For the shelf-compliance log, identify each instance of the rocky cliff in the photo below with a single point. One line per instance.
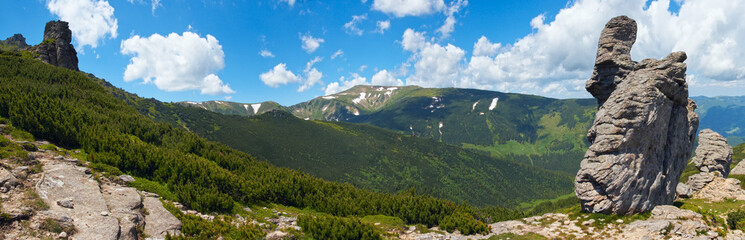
(56, 48)
(643, 131)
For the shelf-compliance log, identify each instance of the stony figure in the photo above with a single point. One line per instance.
(713, 153)
(643, 131)
(56, 49)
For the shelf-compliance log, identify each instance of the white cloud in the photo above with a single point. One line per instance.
(351, 27)
(563, 51)
(402, 8)
(382, 26)
(176, 62)
(449, 25)
(310, 44)
(266, 53)
(483, 47)
(289, 2)
(344, 84)
(279, 75)
(385, 78)
(90, 21)
(312, 75)
(413, 40)
(435, 65)
(337, 54)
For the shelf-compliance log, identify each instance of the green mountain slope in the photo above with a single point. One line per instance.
(725, 115)
(73, 110)
(542, 132)
(369, 157)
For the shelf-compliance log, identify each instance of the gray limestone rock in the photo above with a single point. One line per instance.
(643, 131)
(160, 221)
(125, 179)
(63, 181)
(713, 153)
(56, 48)
(683, 190)
(698, 181)
(739, 169)
(125, 205)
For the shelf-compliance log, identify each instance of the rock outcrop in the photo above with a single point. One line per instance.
(739, 169)
(713, 153)
(720, 189)
(159, 220)
(698, 181)
(643, 131)
(16, 40)
(56, 48)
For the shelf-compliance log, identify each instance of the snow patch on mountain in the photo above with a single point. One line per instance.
(493, 104)
(256, 107)
(359, 99)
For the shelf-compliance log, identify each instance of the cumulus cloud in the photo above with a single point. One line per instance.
(558, 56)
(402, 8)
(449, 25)
(385, 78)
(483, 47)
(435, 65)
(337, 54)
(176, 62)
(344, 84)
(382, 26)
(310, 44)
(351, 27)
(90, 21)
(266, 53)
(312, 75)
(279, 75)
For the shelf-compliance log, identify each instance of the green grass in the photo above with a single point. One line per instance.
(20, 135)
(153, 187)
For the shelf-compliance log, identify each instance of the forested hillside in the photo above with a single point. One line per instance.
(68, 108)
(370, 157)
(542, 132)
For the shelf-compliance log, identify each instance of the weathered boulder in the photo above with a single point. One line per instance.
(667, 222)
(713, 153)
(683, 190)
(643, 131)
(159, 221)
(125, 179)
(720, 189)
(7, 180)
(56, 48)
(739, 169)
(698, 181)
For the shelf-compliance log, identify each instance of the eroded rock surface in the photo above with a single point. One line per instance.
(159, 221)
(713, 153)
(739, 169)
(720, 189)
(643, 131)
(63, 181)
(698, 181)
(56, 48)
(125, 204)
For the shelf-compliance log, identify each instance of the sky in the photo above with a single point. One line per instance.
(290, 51)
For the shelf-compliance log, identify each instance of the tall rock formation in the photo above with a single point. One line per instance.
(56, 48)
(643, 131)
(713, 153)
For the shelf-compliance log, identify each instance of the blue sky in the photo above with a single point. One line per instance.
(212, 50)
